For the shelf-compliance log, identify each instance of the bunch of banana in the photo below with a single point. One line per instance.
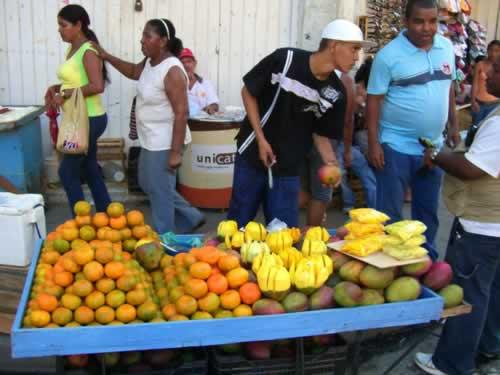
(264, 259)
(295, 233)
(226, 228)
(255, 231)
(311, 247)
(250, 250)
(235, 241)
(280, 240)
(274, 280)
(311, 273)
(290, 256)
(317, 233)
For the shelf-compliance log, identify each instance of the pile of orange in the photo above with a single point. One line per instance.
(85, 276)
(203, 284)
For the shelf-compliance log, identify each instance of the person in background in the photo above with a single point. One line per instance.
(482, 101)
(361, 79)
(349, 157)
(82, 69)
(310, 108)
(161, 116)
(411, 96)
(202, 95)
(471, 191)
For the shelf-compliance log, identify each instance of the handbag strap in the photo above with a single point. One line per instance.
(266, 116)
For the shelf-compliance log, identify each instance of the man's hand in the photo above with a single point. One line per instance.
(266, 153)
(347, 157)
(376, 155)
(174, 160)
(427, 161)
(453, 137)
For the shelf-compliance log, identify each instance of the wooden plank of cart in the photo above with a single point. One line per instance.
(31, 342)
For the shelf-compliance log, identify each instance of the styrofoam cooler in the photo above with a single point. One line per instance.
(22, 222)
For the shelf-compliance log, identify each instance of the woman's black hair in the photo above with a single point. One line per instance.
(174, 44)
(363, 73)
(74, 13)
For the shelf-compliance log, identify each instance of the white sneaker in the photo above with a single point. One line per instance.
(424, 361)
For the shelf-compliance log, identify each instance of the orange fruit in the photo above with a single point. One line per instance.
(70, 234)
(217, 284)
(54, 290)
(115, 298)
(169, 311)
(126, 256)
(60, 245)
(47, 302)
(39, 318)
(63, 278)
(71, 301)
(83, 220)
(113, 235)
(117, 248)
(208, 254)
(82, 208)
(62, 316)
(83, 255)
(200, 270)
(82, 288)
(147, 311)
(70, 265)
(126, 282)
(114, 269)
(100, 220)
(87, 233)
(73, 324)
(79, 276)
(188, 260)
(136, 297)
(179, 259)
(250, 293)
(50, 257)
(104, 255)
(209, 303)
(52, 236)
(70, 224)
(84, 315)
(228, 262)
(129, 244)
(126, 233)
(242, 310)
(199, 315)
(178, 317)
(140, 231)
(237, 277)
(126, 313)
(230, 299)
(186, 305)
(102, 233)
(135, 217)
(95, 299)
(176, 293)
(196, 288)
(119, 222)
(104, 315)
(115, 209)
(105, 285)
(93, 271)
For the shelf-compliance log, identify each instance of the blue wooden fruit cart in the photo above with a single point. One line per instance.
(30, 342)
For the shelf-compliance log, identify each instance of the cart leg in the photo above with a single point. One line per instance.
(59, 365)
(299, 356)
(355, 349)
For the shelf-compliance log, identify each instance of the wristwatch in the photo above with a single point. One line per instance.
(434, 154)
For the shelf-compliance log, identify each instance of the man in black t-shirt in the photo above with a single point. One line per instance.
(300, 100)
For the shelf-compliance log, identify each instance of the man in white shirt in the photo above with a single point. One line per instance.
(471, 192)
(201, 95)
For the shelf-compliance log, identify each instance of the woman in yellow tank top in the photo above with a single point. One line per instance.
(85, 70)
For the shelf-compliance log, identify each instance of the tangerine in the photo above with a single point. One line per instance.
(119, 222)
(126, 233)
(230, 299)
(60, 245)
(84, 315)
(140, 231)
(208, 254)
(83, 220)
(93, 271)
(178, 317)
(114, 269)
(87, 233)
(217, 284)
(70, 234)
(196, 288)
(104, 255)
(147, 311)
(237, 277)
(100, 220)
(115, 209)
(63, 278)
(50, 257)
(71, 301)
(169, 311)
(113, 235)
(186, 305)
(126, 313)
(126, 282)
(136, 297)
(83, 255)
(135, 217)
(209, 303)
(242, 310)
(228, 262)
(129, 244)
(115, 298)
(105, 285)
(200, 315)
(47, 302)
(70, 265)
(62, 316)
(39, 318)
(82, 288)
(250, 293)
(104, 315)
(82, 208)
(200, 270)
(95, 299)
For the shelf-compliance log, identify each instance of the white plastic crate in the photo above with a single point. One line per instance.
(22, 221)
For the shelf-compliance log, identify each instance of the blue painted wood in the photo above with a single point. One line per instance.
(21, 152)
(99, 339)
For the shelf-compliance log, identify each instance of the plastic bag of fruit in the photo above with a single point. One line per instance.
(368, 216)
(406, 229)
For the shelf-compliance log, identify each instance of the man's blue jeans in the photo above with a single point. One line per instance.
(475, 260)
(72, 166)
(399, 172)
(251, 189)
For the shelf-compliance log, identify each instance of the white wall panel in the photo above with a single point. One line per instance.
(227, 36)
